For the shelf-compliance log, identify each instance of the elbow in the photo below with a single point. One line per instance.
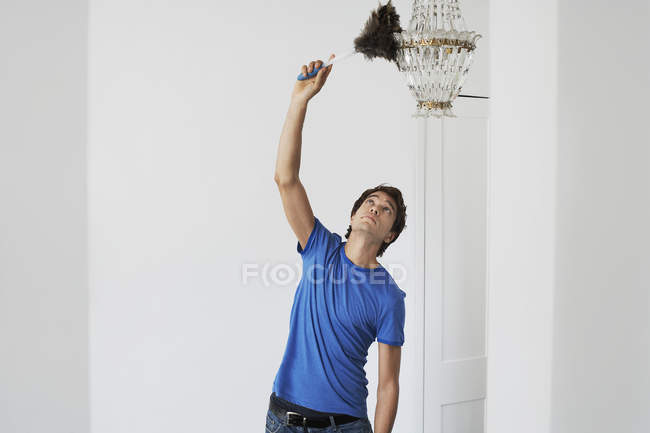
(388, 387)
(285, 180)
(388, 393)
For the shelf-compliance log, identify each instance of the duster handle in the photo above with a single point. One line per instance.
(326, 64)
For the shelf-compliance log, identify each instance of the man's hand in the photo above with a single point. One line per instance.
(304, 90)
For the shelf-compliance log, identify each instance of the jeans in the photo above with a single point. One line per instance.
(277, 425)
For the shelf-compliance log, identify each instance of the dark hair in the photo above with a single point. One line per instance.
(400, 219)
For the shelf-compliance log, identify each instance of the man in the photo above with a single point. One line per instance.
(344, 301)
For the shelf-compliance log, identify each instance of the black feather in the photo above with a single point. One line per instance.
(376, 39)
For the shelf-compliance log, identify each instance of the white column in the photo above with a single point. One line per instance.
(43, 262)
(522, 214)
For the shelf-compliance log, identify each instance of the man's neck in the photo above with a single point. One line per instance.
(361, 252)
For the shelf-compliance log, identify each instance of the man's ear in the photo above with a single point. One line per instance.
(390, 236)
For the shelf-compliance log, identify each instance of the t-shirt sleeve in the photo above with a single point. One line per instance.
(390, 327)
(319, 243)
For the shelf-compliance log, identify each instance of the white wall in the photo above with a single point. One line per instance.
(601, 369)
(43, 276)
(187, 101)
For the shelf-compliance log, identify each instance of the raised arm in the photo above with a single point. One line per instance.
(294, 197)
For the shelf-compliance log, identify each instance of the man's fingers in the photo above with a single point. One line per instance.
(314, 64)
(320, 77)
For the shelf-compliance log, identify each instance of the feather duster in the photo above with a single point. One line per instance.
(376, 38)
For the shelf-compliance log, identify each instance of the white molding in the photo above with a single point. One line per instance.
(433, 277)
(420, 231)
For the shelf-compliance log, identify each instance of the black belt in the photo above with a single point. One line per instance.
(298, 419)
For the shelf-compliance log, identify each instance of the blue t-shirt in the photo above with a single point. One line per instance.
(338, 310)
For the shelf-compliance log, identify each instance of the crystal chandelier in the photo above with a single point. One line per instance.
(435, 54)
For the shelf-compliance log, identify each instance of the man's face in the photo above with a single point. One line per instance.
(376, 216)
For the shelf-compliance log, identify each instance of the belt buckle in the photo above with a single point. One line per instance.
(304, 419)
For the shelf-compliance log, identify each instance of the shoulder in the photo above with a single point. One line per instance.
(392, 289)
(320, 243)
(392, 297)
